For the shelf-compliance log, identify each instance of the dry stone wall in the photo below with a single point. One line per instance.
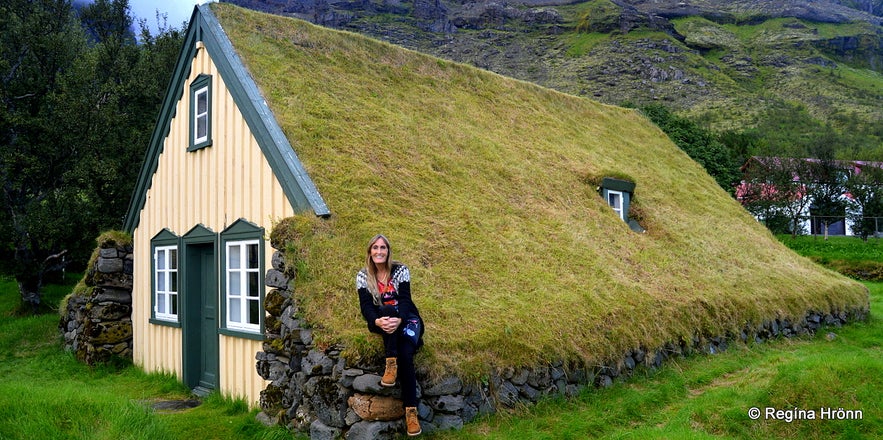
(315, 390)
(97, 318)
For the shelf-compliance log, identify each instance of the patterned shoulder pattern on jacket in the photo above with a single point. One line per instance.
(400, 274)
(362, 279)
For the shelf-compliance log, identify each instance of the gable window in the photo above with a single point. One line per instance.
(200, 113)
(242, 280)
(165, 281)
(200, 116)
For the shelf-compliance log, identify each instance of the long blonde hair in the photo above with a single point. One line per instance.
(371, 267)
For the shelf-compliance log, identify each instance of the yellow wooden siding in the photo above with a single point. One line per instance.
(214, 186)
(238, 376)
(167, 360)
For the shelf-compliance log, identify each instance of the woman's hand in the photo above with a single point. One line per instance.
(387, 324)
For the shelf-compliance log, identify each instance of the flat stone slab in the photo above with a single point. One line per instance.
(174, 405)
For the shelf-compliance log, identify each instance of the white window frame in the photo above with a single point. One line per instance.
(167, 283)
(621, 198)
(237, 296)
(200, 94)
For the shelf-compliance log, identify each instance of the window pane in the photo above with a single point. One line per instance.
(254, 312)
(235, 286)
(160, 303)
(614, 200)
(235, 312)
(174, 278)
(173, 258)
(161, 259)
(253, 287)
(233, 257)
(173, 299)
(201, 102)
(253, 256)
(201, 127)
(161, 284)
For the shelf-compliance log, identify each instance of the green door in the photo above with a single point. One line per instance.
(200, 327)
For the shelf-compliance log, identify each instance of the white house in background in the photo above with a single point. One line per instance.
(796, 198)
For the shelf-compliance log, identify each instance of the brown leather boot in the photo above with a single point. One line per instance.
(389, 375)
(412, 424)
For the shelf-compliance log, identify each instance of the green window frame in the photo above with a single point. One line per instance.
(200, 113)
(242, 280)
(165, 280)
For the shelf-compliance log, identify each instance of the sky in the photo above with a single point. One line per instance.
(176, 11)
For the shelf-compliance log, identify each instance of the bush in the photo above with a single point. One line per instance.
(601, 16)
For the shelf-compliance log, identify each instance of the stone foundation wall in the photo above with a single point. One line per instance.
(97, 318)
(316, 391)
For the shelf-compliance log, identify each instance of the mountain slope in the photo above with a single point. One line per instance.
(727, 63)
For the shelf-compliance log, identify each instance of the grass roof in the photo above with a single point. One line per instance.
(487, 189)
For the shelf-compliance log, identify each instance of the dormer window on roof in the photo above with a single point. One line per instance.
(619, 193)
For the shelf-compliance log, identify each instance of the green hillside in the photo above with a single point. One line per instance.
(486, 187)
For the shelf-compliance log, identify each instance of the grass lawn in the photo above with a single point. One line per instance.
(46, 394)
(847, 255)
(710, 396)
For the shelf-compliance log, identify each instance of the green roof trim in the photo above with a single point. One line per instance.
(165, 237)
(162, 127)
(200, 233)
(618, 185)
(296, 183)
(298, 186)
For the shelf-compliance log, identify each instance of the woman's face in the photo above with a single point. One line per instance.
(379, 251)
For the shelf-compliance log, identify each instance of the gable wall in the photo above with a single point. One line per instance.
(213, 186)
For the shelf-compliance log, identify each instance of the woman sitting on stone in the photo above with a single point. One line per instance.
(384, 288)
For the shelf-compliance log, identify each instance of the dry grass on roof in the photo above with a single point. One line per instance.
(486, 187)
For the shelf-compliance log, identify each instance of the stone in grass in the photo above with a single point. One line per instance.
(175, 405)
(373, 408)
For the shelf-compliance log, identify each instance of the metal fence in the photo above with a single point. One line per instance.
(819, 222)
(824, 225)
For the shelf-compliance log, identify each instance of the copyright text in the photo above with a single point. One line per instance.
(790, 415)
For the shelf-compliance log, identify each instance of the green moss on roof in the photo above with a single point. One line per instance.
(110, 239)
(481, 184)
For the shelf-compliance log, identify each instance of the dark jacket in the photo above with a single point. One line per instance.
(400, 277)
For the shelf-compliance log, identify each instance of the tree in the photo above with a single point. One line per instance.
(776, 188)
(115, 96)
(865, 188)
(700, 144)
(79, 104)
(742, 144)
(41, 41)
(827, 189)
